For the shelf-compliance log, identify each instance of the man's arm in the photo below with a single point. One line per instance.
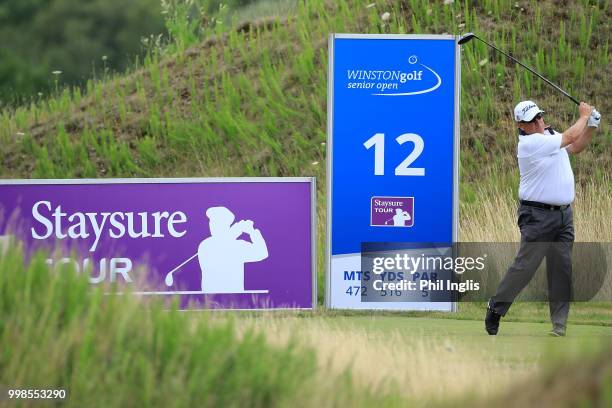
(585, 138)
(583, 141)
(572, 134)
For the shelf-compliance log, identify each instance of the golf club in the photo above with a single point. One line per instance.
(169, 279)
(469, 36)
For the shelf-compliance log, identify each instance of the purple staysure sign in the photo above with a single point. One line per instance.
(228, 243)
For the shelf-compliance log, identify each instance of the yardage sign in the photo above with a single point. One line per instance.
(393, 137)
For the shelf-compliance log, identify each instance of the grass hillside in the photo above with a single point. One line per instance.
(251, 99)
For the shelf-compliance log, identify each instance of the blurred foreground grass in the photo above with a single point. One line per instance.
(429, 360)
(107, 349)
(56, 331)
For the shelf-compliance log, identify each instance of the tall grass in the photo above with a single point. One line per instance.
(417, 367)
(429, 364)
(105, 349)
(111, 350)
(491, 217)
(259, 95)
(491, 214)
(586, 382)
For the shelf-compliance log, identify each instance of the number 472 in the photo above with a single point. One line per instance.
(403, 169)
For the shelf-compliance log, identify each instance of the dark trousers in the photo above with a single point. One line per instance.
(544, 233)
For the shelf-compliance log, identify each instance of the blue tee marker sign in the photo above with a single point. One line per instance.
(393, 157)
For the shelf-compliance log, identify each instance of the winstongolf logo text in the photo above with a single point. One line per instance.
(385, 81)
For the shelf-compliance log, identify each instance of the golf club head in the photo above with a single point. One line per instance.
(169, 280)
(466, 38)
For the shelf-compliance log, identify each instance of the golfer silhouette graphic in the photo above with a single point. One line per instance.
(400, 218)
(222, 255)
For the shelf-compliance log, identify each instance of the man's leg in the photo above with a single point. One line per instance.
(521, 272)
(559, 274)
(535, 237)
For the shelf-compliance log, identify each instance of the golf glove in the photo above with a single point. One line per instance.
(594, 119)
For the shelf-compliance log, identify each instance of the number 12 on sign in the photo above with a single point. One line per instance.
(403, 169)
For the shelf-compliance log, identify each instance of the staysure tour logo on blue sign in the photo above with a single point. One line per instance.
(414, 78)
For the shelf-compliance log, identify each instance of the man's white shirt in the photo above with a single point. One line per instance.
(546, 173)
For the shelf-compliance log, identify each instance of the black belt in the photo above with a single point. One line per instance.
(544, 206)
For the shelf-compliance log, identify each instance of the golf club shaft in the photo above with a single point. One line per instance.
(531, 70)
(181, 265)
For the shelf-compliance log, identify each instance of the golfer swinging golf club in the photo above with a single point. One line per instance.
(545, 219)
(222, 255)
(400, 218)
